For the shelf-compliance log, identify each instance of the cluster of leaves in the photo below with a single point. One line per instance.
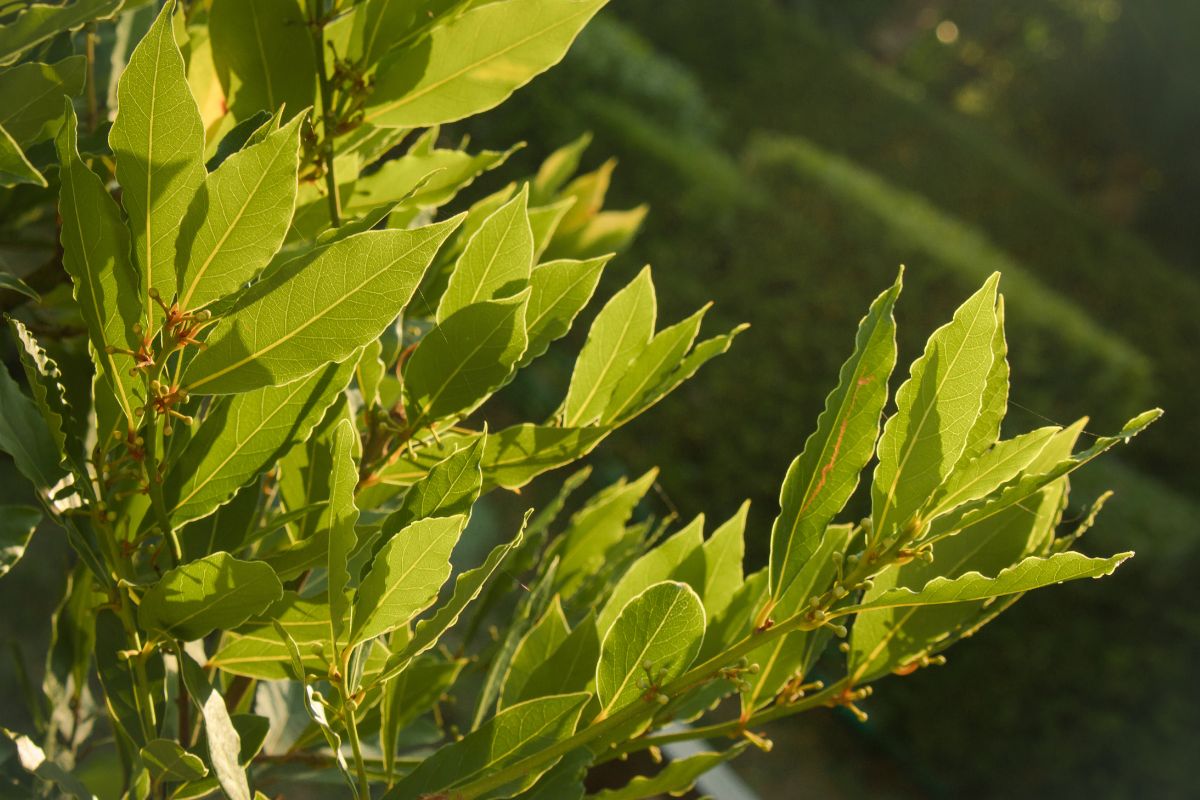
(282, 434)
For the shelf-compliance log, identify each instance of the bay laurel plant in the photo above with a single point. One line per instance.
(288, 324)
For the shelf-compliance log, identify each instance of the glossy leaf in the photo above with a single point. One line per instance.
(496, 262)
(34, 94)
(216, 592)
(571, 667)
(558, 292)
(43, 376)
(256, 649)
(662, 627)
(238, 218)
(674, 779)
(451, 487)
(822, 478)
(17, 524)
(33, 760)
(668, 560)
(535, 647)
(243, 436)
(514, 733)
(96, 251)
(305, 316)
(167, 761)
(475, 61)
(25, 437)
(406, 576)
(619, 333)
(263, 55)
(37, 22)
(158, 141)
(15, 168)
(936, 408)
(464, 359)
(224, 744)
(343, 514)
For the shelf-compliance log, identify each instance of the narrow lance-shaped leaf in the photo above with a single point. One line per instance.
(653, 641)
(461, 361)
(304, 316)
(224, 744)
(989, 471)
(558, 292)
(825, 474)
(535, 647)
(511, 735)
(42, 375)
(451, 487)
(238, 218)
(243, 437)
(33, 760)
(167, 761)
(619, 333)
(496, 261)
(674, 779)
(158, 141)
(406, 576)
(343, 514)
(1032, 573)
(650, 367)
(467, 587)
(474, 62)
(215, 593)
(994, 406)
(24, 436)
(96, 255)
(936, 408)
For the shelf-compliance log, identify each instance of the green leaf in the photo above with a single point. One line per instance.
(467, 587)
(723, 553)
(343, 514)
(451, 487)
(474, 62)
(674, 779)
(995, 394)
(1033, 482)
(37, 22)
(1031, 573)
(263, 55)
(25, 437)
(990, 470)
(216, 592)
(557, 169)
(511, 735)
(34, 97)
(544, 222)
(936, 408)
(411, 694)
(558, 292)
(825, 474)
(116, 679)
(246, 133)
(96, 255)
(535, 647)
(17, 524)
(42, 375)
(243, 436)
(238, 218)
(167, 761)
(406, 576)
(463, 359)
(496, 262)
(665, 562)
(650, 368)
(619, 333)
(158, 141)
(256, 650)
(12, 283)
(224, 744)
(15, 168)
(304, 316)
(564, 781)
(33, 760)
(571, 667)
(662, 627)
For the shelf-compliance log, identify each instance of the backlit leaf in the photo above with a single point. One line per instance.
(216, 592)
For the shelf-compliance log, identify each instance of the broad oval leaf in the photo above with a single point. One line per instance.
(474, 62)
(309, 313)
(662, 627)
(216, 592)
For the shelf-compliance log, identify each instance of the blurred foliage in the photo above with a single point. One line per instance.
(833, 141)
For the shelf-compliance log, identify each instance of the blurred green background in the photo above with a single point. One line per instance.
(793, 154)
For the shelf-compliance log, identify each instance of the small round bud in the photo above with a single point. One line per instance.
(662, 699)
